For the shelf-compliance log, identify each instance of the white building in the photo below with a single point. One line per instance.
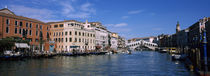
(101, 34)
(114, 41)
(75, 35)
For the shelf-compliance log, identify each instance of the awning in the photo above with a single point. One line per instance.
(22, 45)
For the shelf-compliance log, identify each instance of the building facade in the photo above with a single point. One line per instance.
(56, 35)
(101, 34)
(35, 31)
(190, 41)
(114, 41)
(182, 41)
(73, 35)
(121, 43)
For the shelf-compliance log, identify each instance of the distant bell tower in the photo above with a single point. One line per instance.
(178, 27)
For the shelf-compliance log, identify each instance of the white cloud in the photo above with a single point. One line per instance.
(49, 20)
(36, 13)
(67, 8)
(79, 11)
(117, 25)
(122, 29)
(87, 8)
(121, 24)
(130, 35)
(109, 25)
(125, 17)
(135, 11)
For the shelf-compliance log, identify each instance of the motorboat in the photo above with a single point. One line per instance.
(163, 51)
(109, 53)
(176, 57)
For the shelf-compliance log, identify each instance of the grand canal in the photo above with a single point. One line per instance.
(144, 63)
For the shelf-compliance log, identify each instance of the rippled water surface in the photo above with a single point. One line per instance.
(145, 63)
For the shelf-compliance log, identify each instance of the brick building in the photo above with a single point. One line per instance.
(29, 29)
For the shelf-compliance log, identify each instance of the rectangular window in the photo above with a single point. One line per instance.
(30, 32)
(26, 32)
(20, 31)
(16, 23)
(26, 24)
(55, 26)
(61, 25)
(79, 40)
(69, 32)
(66, 39)
(70, 39)
(7, 29)
(66, 33)
(62, 33)
(15, 30)
(7, 21)
(36, 33)
(40, 34)
(72, 24)
(40, 26)
(62, 39)
(79, 34)
(37, 26)
(30, 25)
(21, 23)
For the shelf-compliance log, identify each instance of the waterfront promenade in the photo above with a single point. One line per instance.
(140, 63)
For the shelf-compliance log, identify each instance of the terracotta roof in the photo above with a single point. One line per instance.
(20, 17)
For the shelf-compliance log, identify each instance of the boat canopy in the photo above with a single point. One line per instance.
(22, 45)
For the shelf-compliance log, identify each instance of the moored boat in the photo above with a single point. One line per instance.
(129, 51)
(163, 51)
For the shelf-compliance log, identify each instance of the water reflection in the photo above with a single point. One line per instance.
(137, 64)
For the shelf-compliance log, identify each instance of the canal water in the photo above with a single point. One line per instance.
(144, 63)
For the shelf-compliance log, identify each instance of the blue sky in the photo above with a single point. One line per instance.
(129, 18)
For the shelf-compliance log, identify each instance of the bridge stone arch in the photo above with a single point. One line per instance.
(134, 45)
